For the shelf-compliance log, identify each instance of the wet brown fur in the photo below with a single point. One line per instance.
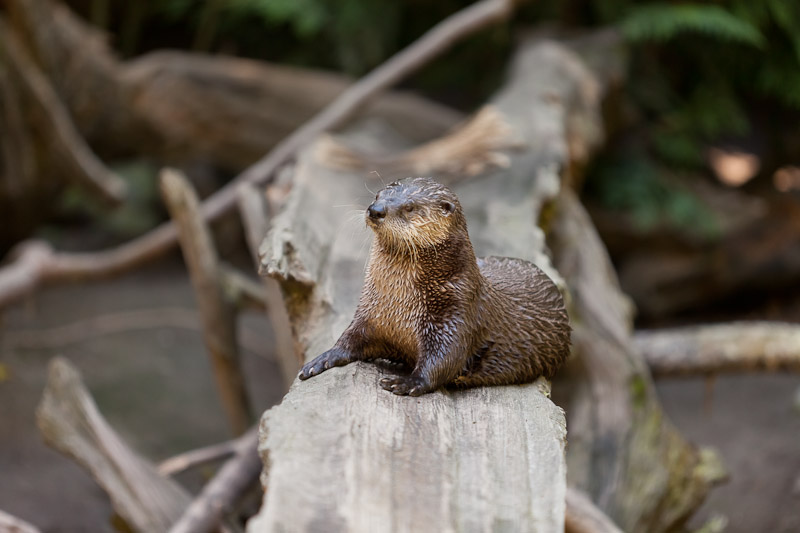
(452, 319)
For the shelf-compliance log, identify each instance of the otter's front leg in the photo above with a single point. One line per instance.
(443, 351)
(349, 348)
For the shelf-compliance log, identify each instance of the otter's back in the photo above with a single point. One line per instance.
(525, 321)
(522, 282)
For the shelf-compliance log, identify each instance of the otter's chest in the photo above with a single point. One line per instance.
(397, 306)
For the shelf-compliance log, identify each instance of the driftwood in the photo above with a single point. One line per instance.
(366, 460)
(70, 422)
(623, 453)
(200, 456)
(216, 311)
(37, 14)
(221, 493)
(370, 460)
(721, 348)
(12, 524)
(255, 213)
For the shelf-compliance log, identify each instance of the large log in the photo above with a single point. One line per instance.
(339, 451)
(342, 452)
(623, 452)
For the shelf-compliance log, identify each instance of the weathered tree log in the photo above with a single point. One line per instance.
(623, 453)
(340, 450)
(70, 422)
(721, 348)
(435, 472)
(216, 311)
(630, 461)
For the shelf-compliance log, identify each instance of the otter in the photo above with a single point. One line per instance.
(449, 318)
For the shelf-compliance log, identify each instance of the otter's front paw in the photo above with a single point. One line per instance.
(331, 358)
(405, 385)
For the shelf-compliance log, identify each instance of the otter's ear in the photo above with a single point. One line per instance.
(448, 207)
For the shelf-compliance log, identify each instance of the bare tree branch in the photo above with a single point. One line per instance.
(62, 267)
(12, 524)
(711, 349)
(71, 423)
(221, 493)
(254, 210)
(241, 290)
(469, 149)
(216, 311)
(207, 454)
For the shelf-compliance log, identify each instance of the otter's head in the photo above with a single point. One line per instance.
(414, 214)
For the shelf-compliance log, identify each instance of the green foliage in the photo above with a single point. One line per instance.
(352, 35)
(634, 185)
(661, 22)
(701, 74)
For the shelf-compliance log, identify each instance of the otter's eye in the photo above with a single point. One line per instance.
(448, 207)
(408, 208)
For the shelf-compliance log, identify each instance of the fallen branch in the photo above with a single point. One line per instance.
(712, 349)
(221, 493)
(254, 210)
(216, 310)
(471, 148)
(583, 516)
(243, 292)
(443, 465)
(200, 456)
(12, 524)
(71, 423)
(62, 267)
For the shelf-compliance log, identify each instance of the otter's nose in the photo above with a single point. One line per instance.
(377, 210)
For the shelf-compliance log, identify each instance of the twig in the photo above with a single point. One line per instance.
(216, 312)
(12, 524)
(62, 267)
(254, 211)
(241, 290)
(221, 493)
(73, 153)
(733, 347)
(583, 516)
(192, 458)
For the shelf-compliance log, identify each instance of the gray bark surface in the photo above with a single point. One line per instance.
(342, 454)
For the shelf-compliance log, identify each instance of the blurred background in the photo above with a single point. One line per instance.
(695, 194)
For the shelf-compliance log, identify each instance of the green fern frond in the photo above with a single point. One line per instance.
(780, 81)
(661, 22)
